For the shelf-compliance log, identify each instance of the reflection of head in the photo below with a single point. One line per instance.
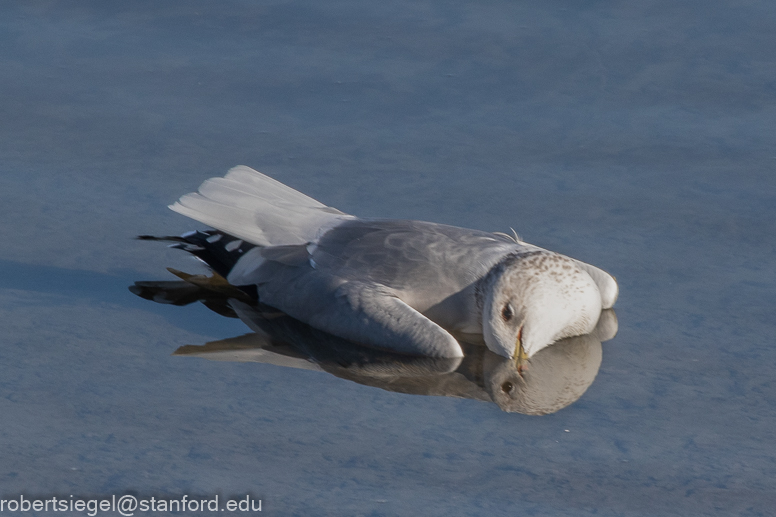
(552, 379)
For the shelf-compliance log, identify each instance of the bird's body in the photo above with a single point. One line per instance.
(400, 255)
(393, 284)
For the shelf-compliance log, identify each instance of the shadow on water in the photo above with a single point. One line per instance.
(552, 379)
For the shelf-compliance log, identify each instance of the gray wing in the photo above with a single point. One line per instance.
(371, 281)
(364, 312)
(423, 263)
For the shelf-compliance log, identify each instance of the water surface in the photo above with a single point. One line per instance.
(636, 137)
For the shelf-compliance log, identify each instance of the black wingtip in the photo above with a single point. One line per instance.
(168, 238)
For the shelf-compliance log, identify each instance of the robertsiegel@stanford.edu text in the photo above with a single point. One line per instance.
(127, 505)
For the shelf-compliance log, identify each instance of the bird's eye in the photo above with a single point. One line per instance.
(507, 387)
(506, 312)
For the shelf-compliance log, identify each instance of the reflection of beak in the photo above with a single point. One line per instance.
(521, 358)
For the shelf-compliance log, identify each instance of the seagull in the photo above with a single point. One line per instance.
(398, 285)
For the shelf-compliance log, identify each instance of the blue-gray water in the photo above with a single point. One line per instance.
(637, 136)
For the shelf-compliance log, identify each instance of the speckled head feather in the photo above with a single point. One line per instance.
(535, 298)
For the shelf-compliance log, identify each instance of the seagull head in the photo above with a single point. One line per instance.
(532, 299)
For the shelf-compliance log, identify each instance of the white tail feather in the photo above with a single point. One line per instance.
(258, 209)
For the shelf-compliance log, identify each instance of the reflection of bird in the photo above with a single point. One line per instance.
(553, 378)
(404, 286)
(550, 380)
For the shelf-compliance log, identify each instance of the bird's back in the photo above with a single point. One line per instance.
(432, 267)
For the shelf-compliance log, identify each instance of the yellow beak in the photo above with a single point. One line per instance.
(520, 356)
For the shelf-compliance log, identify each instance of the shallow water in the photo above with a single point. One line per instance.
(637, 138)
